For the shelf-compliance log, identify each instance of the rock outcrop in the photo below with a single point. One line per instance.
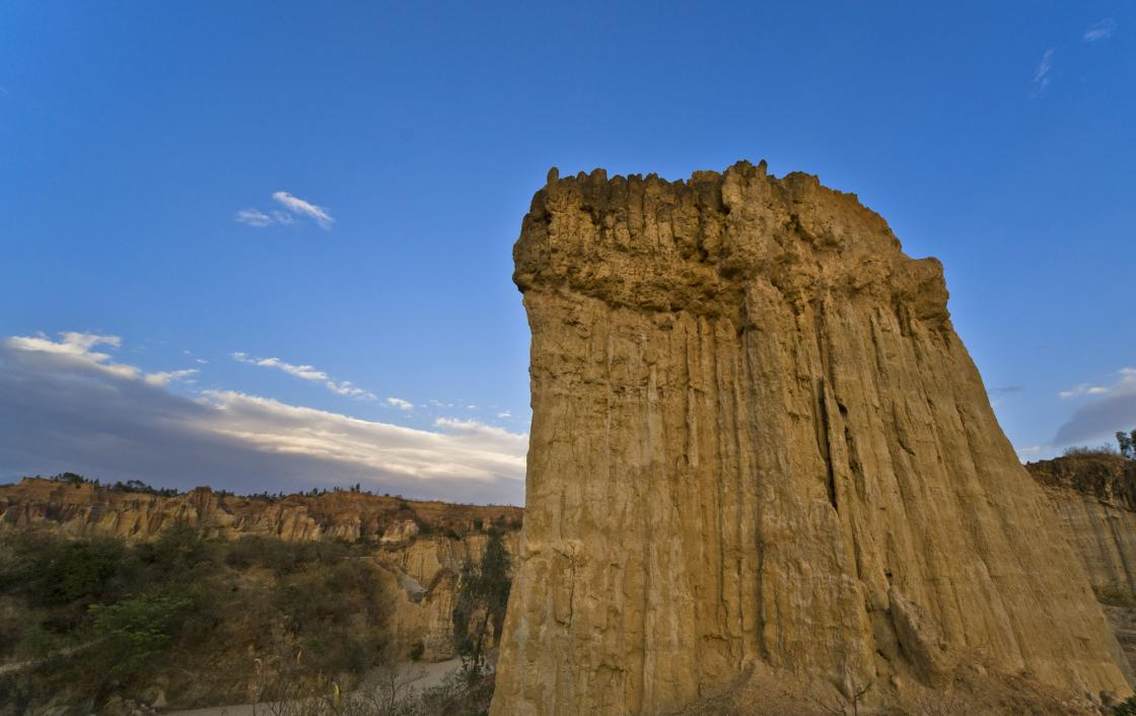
(425, 575)
(88, 510)
(1095, 497)
(758, 443)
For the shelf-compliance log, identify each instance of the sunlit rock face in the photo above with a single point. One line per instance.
(757, 438)
(87, 510)
(1095, 496)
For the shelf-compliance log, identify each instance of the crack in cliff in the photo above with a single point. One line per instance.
(824, 438)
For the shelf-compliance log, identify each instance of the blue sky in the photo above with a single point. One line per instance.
(330, 192)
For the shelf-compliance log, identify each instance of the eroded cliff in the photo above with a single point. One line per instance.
(1095, 496)
(758, 443)
(89, 510)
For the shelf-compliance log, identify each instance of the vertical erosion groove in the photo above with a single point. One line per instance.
(762, 334)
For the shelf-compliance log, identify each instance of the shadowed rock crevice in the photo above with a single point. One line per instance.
(757, 440)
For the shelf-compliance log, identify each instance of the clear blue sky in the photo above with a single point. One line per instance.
(996, 136)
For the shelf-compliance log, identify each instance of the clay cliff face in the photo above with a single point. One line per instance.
(1095, 497)
(757, 441)
(86, 510)
(424, 573)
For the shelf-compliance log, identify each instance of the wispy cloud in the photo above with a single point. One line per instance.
(1100, 30)
(293, 206)
(400, 403)
(1005, 389)
(308, 372)
(254, 217)
(505, 414)
(79, 348)
(1082, 389)
(1109, 408)
(299, 206)
(489, 433)
(62, 412)
(1041, 74)
(169, 376)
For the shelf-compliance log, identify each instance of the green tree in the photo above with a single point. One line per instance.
(483, 595)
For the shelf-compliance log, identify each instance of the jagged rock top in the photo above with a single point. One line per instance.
(1109, 478)
(693, 245)
(88, 509)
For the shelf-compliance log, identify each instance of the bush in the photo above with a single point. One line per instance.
(112, 618)
(136, 633)
(176, 555)
(1128, 708)
(53, 572)
(333, 611)
(1089, 450)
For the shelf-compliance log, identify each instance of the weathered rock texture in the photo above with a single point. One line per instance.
(87, 510)
(756, 439)
(1095, 496)
(424, 574)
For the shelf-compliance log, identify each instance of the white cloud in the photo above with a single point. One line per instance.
(400, 403)
(1082, 389)
(78, 348)
(517, 443)
(464, 449)
(169, 376)
(505, 414)
(293, 206)
(307, 372)
(299, 206)
(253, 217)
(1041, 75)
(1109, 408)
(1100, 30)
(62, 410)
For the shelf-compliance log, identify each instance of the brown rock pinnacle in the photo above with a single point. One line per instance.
(757, 440)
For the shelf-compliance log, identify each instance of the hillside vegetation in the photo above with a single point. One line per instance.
(182, 620)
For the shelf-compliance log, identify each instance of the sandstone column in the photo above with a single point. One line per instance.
(756, 436)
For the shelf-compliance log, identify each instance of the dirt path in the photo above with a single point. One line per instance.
(425, 676)
(19, 666)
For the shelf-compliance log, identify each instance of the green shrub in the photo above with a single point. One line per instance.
(52, 572)
(112, 618)
(1128, 708)
(135, 634)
